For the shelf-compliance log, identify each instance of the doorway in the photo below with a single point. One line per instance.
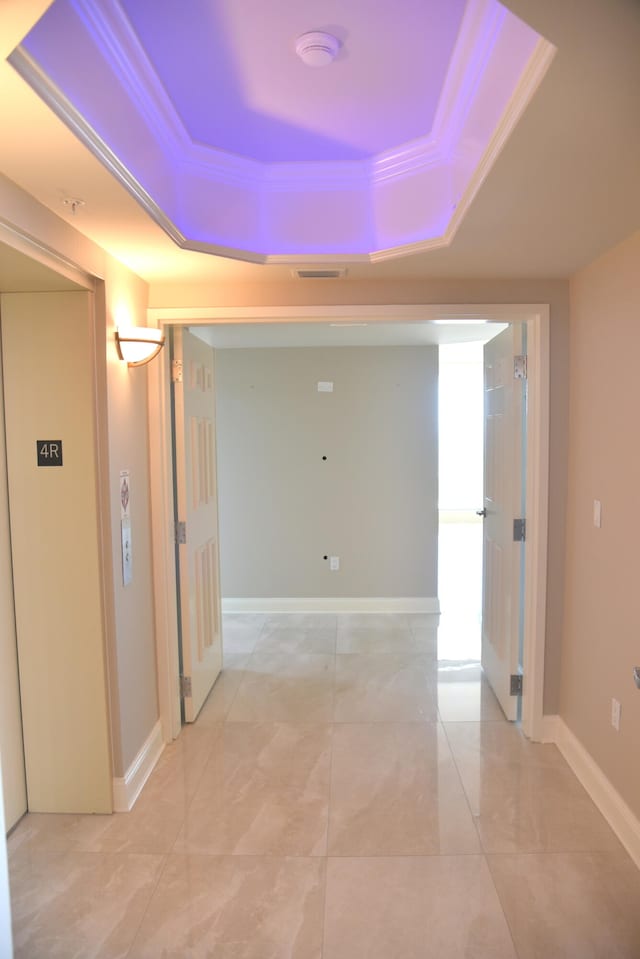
(536, 319)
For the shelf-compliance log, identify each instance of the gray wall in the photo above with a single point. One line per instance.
(373, 502)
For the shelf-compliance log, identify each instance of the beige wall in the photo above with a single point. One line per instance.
(373, 502)
(122, 443)
(128, 449)
(602, 634)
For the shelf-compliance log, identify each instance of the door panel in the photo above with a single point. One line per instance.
(196, 498)
(502, 497)
(49, 394)
(11, 748)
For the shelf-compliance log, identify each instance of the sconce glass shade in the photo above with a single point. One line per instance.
(138, 345)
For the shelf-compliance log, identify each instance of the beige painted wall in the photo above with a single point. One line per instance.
(122, 443)
(125, 302)
(373, 502)
(11, 750)
(602, 612)
(47, 344)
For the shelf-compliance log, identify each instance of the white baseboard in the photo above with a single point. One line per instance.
(127, 789)
(336, 604)
(608, 800)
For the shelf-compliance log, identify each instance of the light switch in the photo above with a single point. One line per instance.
(325, 387)
(597, 513)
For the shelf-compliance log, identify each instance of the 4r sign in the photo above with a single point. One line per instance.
(49, 452)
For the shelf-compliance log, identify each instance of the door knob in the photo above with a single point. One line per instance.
(481, 512)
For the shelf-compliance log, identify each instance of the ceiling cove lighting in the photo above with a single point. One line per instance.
(138, 345)
(325, 171)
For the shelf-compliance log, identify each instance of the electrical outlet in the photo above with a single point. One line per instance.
(334, 563)
(616, 710)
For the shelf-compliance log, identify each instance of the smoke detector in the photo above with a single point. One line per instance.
(317, 49)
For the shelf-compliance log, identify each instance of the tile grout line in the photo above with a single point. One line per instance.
(136, 934)
(484, 853)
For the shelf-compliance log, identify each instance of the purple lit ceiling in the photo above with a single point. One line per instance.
(206, 114)
(231, 72)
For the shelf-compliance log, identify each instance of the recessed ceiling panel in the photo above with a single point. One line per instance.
(233, 76)
(236, 147)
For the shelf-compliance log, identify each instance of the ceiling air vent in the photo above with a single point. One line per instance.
(320, 274)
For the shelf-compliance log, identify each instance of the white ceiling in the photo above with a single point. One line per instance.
(272, 335)
(564, 189)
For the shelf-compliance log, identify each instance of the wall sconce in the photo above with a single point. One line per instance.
(138, 345)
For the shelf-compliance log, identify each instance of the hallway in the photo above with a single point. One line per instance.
(344, 793)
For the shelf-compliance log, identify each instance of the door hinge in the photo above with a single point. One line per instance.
(185, 686)
(180, 533)
(176, 371)
(520, 367)
(515, 685)
(519, 530)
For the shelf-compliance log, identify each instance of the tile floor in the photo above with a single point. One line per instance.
(343, 794)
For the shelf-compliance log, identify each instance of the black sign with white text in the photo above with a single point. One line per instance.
(49, 452)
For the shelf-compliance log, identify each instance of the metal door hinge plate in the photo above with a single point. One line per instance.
(176, 371)
(520, 367)
(519, 530)
(180, 533)
(185, 686)
(515, 686)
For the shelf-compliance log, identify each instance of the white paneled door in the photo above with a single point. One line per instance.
(196, 500)
(503, 496)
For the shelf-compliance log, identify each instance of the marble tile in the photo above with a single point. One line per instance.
(464, 695)
(79, 905)
(265, 791)
(239, 639)
(180, 767)
(234, 908)
(425, 634)
(395, 791)
(414, 908)
(285, 687)
(309, 639)
(301, 620)
(535, 809)
(523, 795)
(429, 621)
(391, 639)
(234, 661)
(476, 744)
(50, 832)
(255, 620)
(372, 621)
(569, 905)
(151, 827)
(388, 687)
(154, 822)
(220, 698)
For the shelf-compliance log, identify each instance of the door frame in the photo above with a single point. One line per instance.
(535, 316)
